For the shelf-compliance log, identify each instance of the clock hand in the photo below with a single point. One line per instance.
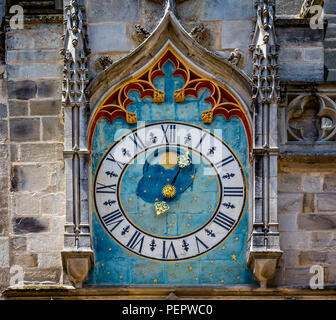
(169, 191)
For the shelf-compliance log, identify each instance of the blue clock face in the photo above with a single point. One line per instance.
(150, 189)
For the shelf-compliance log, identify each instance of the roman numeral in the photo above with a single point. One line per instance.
(139, 145)
(106, 189)
(171, 248)
(201, 140)
(120, 164)
(233, 191)
(224, 221)
(224, 162)
(112, 219)
(135, 241)
(198, 242)
(169, 133)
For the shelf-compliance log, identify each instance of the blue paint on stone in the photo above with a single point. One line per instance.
(224, 265)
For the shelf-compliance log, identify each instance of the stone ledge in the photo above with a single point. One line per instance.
(146, 293)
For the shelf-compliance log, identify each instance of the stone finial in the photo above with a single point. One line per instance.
(307, 5)
(200, 34)
(140, 33)
(103, 62)
(234, 57)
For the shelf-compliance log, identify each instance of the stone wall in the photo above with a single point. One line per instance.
(307, 217)
(228, 25)
(32, 133)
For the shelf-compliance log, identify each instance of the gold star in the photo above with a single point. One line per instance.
(238, 277)
(236, 238)
(196, 278)
(149, 177)
(120, 277)
(234, 257)
(223, 248)
(102, 264)
(130, 199)
(190, 217)
(211, 261)
(145, 191)
(190, 268)
(173, 275)
(155, 280)
(195, 198)
(170, 225)
(222, 281)
(192, 176)
(210, 177)
(176, 264)
(226, 270)
(110, 249)
(108, 272)
(211, 275)
(188, 225)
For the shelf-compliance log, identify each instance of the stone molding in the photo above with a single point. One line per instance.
(67, 293)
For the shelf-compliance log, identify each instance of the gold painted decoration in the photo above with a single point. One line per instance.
(222, 102)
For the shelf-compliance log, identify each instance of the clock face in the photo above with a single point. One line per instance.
(169, 191)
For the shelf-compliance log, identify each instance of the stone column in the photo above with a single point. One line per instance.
(264, 252)
(77, 255)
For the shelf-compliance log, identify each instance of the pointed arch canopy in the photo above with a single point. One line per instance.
(230, 88)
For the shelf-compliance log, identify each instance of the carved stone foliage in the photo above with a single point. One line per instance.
(265, 55)
(102, 63)
(75, 73)
(235, 57)
(200, 33)
(140, 33)
(311, 118)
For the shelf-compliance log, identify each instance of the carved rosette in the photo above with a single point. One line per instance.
(222, 102)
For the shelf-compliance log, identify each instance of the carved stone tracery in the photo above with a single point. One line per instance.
(311, 118)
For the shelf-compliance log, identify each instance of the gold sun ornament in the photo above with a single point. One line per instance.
(169, 191)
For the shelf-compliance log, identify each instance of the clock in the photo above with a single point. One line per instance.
(169, 191)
